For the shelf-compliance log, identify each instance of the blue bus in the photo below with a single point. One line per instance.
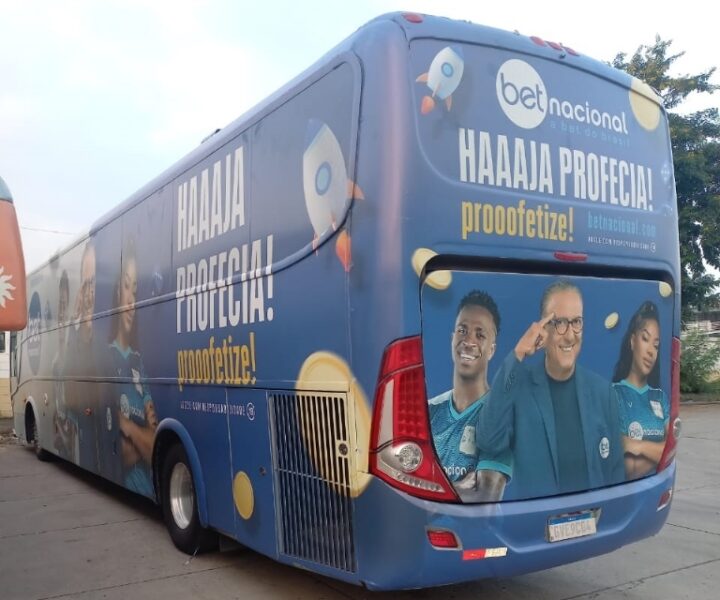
(414, 320)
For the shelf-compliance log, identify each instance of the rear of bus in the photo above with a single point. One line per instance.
(528, 193)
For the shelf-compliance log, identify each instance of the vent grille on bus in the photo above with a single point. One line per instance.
(313, 454)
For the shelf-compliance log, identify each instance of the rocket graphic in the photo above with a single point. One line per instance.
(443, 77)
(326, 186)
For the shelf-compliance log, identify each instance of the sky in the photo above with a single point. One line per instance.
(97, 97)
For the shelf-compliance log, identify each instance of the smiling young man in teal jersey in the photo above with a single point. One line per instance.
(454, 414)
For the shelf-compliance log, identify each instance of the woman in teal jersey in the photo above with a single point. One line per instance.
(644, 408)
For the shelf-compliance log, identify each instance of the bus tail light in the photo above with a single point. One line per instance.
(401, 450)
(675, 423)
(665, 499)
(443, 539)
(571, 256)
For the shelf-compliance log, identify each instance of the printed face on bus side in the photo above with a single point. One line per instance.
(62, 317)
(473, 341)
(128, 293)
(87, 288)
(150, 414)
(562, 349)
(644, 344)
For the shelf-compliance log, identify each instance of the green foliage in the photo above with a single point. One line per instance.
(696, 156)
(697, 362)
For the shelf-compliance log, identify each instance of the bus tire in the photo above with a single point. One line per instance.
(180, 505)
(34, 439)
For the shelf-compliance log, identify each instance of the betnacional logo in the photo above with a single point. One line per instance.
(125, 406)
(33, 332)
(635, 431)
(604, 447)
(525, 100)
(521, 93)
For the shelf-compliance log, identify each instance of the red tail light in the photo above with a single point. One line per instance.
(401, 450)
(571, 256)
(442, 538)
(675, 423)
(665, 499)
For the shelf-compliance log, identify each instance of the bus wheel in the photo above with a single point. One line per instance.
(34, 439)
(179, 504)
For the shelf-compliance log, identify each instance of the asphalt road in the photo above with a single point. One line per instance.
(68, 535)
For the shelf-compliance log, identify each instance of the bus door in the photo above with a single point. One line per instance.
(252, 473)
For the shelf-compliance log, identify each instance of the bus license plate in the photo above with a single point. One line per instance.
(573, 525)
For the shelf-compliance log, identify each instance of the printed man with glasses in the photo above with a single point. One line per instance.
(559, 419)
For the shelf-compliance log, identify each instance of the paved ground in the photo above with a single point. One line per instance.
(67, 535)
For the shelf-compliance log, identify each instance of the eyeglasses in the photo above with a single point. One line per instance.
(562, 324)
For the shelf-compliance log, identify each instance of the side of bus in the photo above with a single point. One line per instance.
(209, 315)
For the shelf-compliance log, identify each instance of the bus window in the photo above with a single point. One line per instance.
(13, 354)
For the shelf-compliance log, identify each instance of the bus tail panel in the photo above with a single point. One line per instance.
(497, 540)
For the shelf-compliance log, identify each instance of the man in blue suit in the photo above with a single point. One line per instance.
(559, 419)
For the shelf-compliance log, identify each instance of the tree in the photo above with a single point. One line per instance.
(696, 155)
(698, 362)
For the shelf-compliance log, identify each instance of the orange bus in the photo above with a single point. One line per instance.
(13, 313)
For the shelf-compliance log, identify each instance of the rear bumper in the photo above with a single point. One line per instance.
(394, 552)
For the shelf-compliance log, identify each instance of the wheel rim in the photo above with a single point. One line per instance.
(182, 496)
